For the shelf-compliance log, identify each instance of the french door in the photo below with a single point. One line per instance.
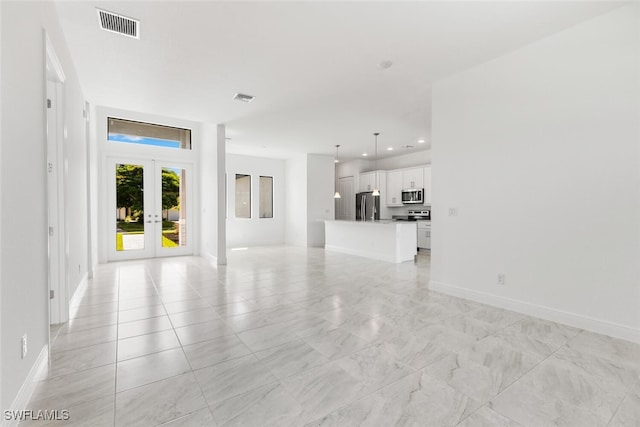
(150, 201)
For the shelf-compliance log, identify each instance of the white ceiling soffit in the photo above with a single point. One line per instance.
(312, 66)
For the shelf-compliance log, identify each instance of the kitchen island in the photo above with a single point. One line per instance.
(392, 241)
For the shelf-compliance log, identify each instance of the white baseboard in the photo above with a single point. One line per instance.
(213, 260)
(571, 319)
(28, 386)
(76, 298)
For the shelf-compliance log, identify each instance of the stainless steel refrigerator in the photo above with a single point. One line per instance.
(367, 207)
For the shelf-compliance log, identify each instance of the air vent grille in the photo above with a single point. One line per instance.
(243, 97)
(115, 23)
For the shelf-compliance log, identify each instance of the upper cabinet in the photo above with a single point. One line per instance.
(368, 182)
(427, 185)
(413, 178)
(404, 179)
(394, 188)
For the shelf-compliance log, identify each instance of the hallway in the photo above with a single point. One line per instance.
(290, 336)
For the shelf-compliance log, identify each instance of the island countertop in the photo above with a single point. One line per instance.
(386, 240)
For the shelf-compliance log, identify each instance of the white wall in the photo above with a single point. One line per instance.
(209, 215)
(296, 201)
(320, 201)
(539, 151)
(256, 231)
(419, 158)
(23, 218)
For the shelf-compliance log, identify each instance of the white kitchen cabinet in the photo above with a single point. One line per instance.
(413, 178)
(368, 181)
(394, 188)
(424, 235)
(427, 186)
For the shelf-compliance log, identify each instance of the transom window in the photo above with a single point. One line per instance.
(132, 132)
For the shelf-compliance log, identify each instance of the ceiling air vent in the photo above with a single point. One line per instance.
(115, 23)
(242, 97)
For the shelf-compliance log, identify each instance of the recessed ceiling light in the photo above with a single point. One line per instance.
(364, 154)
(389, 148)
(421, 141)
(383, 65)
(336, 161)
(243, 97)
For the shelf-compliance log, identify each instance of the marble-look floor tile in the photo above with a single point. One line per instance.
(89, 322)
(85, 310)
(263, 406)
(199, 418)
(142, 345)
(236, 309)
(84, 338)
(153, 367)
(336, 343)
(202, 331)
(560, 391)
(628, 413)
(139, 303)
(322, 389)
(187, 318)
(495, 354)
(95, 413)
(554, 334)
(531, 407)
(495, 316)
(374, 368)
(233, 377)
(599, 366)
(159, 402)
(144, 326)
(79, 387)
(189, 305)
(244, 322)
(468, 325)
(415, 352)
(415, 400)
(141, 313)
(486, 417)
(470, 378)
(612, 348)
(291, 358)
(207, 353)
(267, 337)
(68, 362)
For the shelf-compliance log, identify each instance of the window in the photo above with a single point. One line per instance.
(266, 197)
(131, 132)
(243, 196)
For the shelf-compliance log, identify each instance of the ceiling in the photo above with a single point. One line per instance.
(312, 66)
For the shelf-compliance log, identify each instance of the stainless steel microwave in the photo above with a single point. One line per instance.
(412, 195)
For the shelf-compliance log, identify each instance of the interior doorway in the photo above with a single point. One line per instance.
(151, 203)
(346, 204)
(56, 234)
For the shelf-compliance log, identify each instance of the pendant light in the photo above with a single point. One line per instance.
(337, 195)
(376, 189)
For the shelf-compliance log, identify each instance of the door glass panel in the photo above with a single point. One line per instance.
(129, 207)
(174, 203)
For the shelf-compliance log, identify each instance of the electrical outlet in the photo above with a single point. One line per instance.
(24, 346)
(453, 211)
(501, 279)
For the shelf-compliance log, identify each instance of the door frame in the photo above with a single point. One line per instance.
(58, 286)
(153, 180)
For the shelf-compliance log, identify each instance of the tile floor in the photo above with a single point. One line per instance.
(291, 337)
